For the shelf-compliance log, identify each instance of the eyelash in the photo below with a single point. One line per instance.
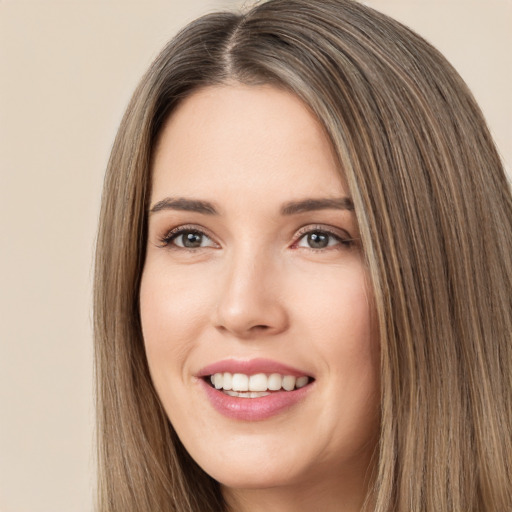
(168, 239)
(345, 242)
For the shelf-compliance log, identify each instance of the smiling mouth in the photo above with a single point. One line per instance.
(255, 386)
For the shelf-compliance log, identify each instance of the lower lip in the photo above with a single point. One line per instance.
(253, 409)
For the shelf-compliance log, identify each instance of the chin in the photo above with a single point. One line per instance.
(240, 476)
(263, 463)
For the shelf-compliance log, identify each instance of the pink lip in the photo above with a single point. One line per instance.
(250, 367)
(252, 409)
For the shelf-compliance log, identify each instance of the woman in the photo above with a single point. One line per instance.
(303, 275)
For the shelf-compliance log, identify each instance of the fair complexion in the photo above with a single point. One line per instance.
(254, 265)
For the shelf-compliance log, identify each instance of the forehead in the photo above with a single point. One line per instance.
(240, 139)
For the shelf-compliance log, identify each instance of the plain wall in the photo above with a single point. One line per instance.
(68, 68)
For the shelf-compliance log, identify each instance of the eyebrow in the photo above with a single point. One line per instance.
(187, 205)
(308, 205)
(290, 208)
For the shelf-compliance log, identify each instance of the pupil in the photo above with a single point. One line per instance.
(192, 240)
(318, 240)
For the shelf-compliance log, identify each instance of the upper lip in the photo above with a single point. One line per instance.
(250, 367)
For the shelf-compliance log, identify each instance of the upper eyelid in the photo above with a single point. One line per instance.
(170, 234)
(335, 231)
(188, 227)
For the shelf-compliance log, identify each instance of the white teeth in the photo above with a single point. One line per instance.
(217, 380)
(289, 382)
(250, 394)
(301, 382)
(240, 382)
(228, 381)
(275, 382)
(256, 385)
(258, 382)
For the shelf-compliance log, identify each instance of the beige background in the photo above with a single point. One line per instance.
(67, 70)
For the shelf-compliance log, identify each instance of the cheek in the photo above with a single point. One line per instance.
(358, 347)
(171, 302)
(342, 324)
(171, 318)
(338, 306)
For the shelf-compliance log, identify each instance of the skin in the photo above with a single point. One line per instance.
(254, 288)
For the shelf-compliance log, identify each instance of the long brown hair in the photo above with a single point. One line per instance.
(435, 214)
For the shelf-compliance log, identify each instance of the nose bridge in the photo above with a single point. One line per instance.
(249, 297)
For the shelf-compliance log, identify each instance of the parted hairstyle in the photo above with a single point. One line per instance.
(435, 214)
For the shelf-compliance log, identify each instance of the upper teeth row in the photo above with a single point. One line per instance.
(258, 382)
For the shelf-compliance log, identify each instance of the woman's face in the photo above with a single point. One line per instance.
(254, 275)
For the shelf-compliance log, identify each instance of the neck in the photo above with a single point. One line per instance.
(340, 494)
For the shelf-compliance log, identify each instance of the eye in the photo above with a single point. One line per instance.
(323, 239)
(188, 238)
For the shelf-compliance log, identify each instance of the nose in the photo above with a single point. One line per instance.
(251, 299)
